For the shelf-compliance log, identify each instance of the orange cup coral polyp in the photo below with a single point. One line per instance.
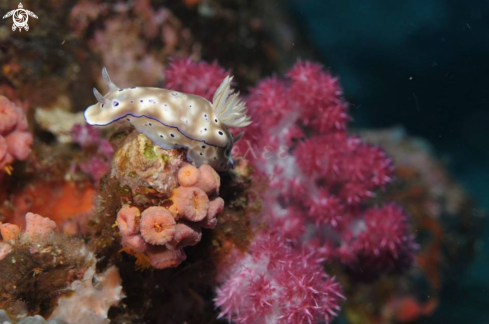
(157, 225)
(209, 181)
(185, 235)
(188, 175)
(191, 202)
(128, 220)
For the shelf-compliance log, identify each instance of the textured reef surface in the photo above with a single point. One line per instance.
(315, 221)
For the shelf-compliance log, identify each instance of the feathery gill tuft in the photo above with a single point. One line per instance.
(230, 109)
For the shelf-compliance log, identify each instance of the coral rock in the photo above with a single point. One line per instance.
(9, 232)
(37, 319)
(91, 298)
(38, 227)
(141, 163)
(157, 225)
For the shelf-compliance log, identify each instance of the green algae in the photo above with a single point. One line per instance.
(150, 152)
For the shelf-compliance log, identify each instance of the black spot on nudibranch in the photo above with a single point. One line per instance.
(172, 135)
(102, 105)
(141, 100)
(120, 90)
(150, 124)
(201, 153)
(203, 146)
(115, 103)
(133, 87)
(162, 136)
(220, 133)
(215, 120)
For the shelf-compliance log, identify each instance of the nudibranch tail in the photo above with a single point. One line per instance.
(230, 109)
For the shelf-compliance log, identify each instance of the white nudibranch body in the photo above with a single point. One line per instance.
(172, 119)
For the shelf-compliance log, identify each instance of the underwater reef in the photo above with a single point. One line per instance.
(306, 221)
(301, 220)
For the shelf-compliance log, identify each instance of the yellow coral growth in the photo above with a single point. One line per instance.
(142, 260)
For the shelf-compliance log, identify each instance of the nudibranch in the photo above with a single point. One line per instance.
(172, 119)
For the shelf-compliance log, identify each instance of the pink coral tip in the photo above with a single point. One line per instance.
(128, 220)
(161, 258)
(157, 225)
(38, 227)
(185, 235)
(188, 175)
(191, 202)
(209, 181)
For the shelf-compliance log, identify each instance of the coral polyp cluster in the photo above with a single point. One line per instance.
(185, 198)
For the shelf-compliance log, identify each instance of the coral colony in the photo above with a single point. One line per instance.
(274, 221)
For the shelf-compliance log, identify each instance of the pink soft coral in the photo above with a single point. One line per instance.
(320, 178)
(15, 140)
(383, 243)
(275, 283)
(197, 78)
(319, 174)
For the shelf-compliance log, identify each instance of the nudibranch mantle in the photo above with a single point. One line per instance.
(172, 119)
